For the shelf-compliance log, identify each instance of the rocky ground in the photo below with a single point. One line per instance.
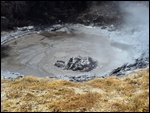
(24, 13)
(30, 93)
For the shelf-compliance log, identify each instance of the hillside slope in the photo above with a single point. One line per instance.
(127, 93)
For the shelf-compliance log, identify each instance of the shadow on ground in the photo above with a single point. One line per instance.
(5, 51)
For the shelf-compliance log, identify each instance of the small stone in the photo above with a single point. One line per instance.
(18, 77)
(60, 64)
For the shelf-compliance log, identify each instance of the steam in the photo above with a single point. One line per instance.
(135, 14)
(135, 27)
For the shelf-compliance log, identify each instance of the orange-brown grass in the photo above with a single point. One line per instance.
(76, 102)
(135, 103)
(34, 83)
(13, 94)
(127, 93)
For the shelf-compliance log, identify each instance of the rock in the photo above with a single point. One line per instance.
(18, 77)
(83, 64)
(8, 75)
(25, 28)
(4, 23)
(81, 78)
(55, 28)
(60, 64)
(119, 71)
(141, 62)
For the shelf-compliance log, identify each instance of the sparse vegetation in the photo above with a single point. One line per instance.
(127, 93)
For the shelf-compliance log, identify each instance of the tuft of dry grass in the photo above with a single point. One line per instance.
(34, 83)
(29, 97)
(135, 103)
(76, 102)
(13, 94)
(34, 94)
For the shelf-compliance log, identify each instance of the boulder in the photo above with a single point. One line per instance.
(83, 64)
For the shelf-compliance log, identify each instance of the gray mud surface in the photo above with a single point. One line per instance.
(36, 54)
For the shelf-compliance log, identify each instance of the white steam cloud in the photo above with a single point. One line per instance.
(135, 27)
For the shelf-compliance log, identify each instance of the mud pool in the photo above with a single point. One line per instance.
(35, 52)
